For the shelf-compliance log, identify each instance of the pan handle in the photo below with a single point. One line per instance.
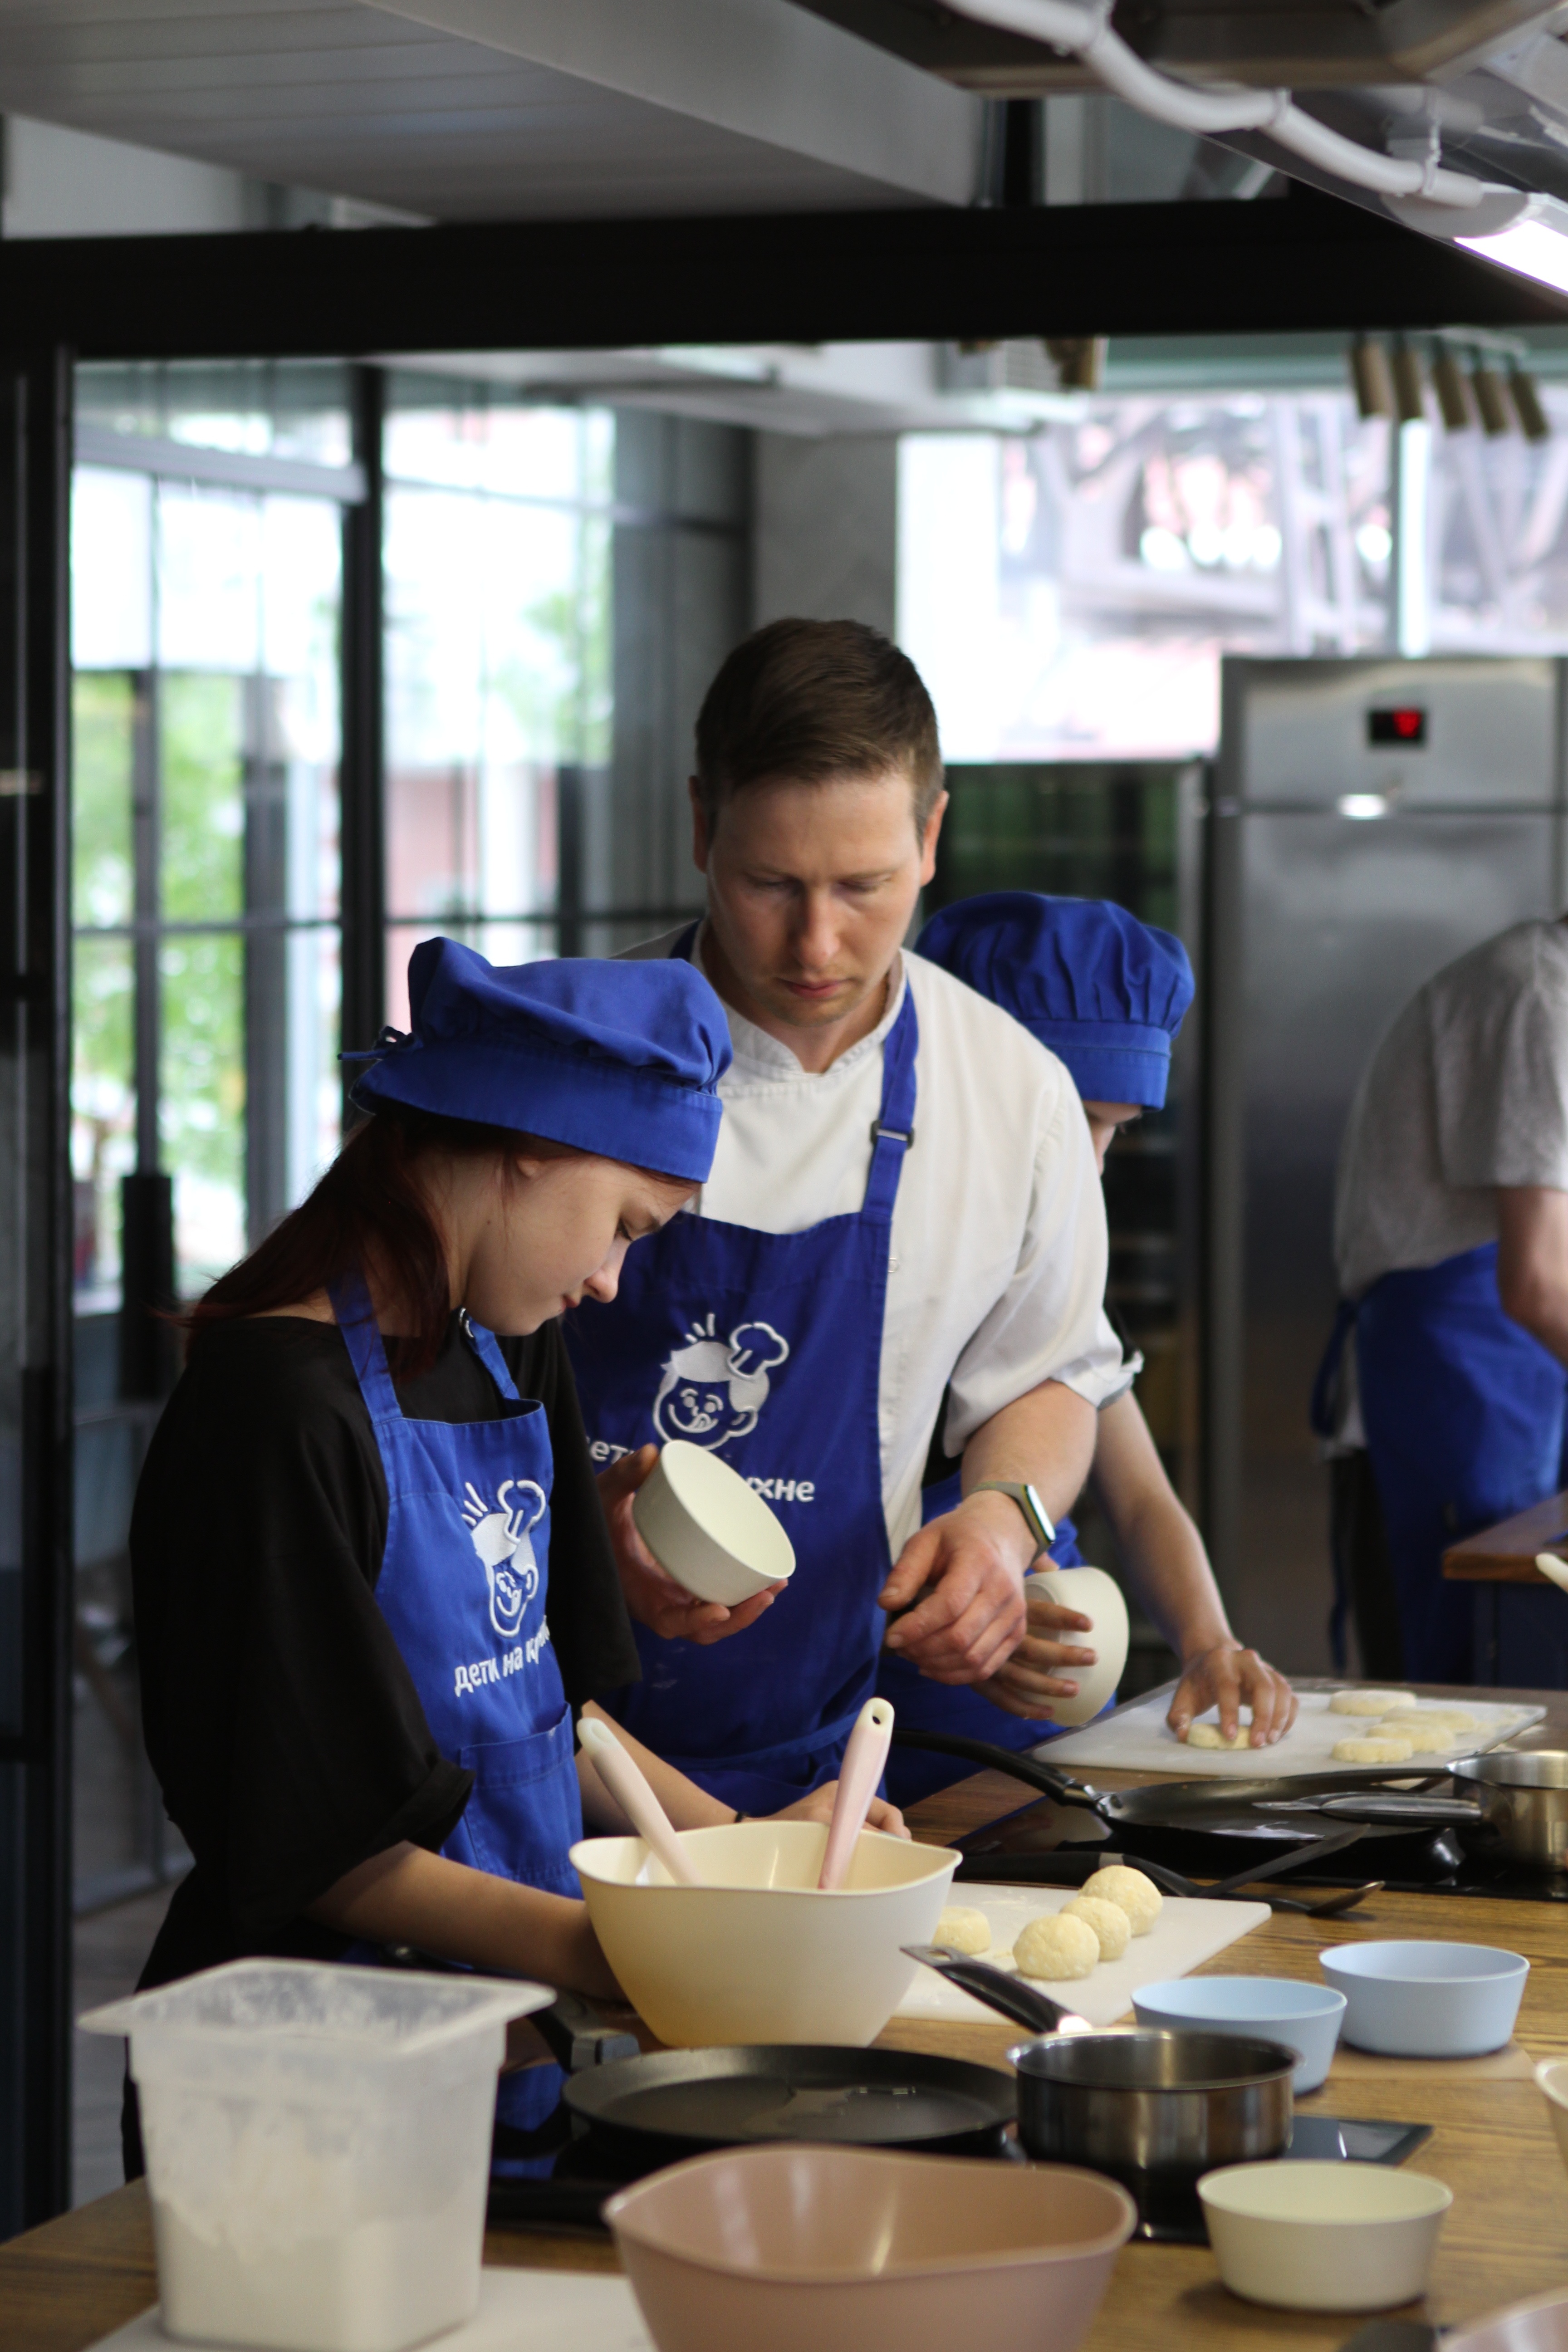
(1009, 1995)
(576, 2036)
(1018, 1763)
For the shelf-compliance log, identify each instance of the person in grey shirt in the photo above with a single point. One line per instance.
(1452, 1246)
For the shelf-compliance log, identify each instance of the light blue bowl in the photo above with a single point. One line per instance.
(1304, 2017)
(1426, 2000)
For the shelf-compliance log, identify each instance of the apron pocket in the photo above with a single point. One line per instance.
(523, 1812)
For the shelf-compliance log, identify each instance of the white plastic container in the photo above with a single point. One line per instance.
(318, 2148)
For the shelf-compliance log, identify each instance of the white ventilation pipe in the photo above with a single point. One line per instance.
(1087, 32)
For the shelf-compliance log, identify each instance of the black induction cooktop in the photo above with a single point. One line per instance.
(1048, 1844)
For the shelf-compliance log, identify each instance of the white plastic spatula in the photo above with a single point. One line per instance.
(865, 1761)
(1550, 1565)
(623, 1776)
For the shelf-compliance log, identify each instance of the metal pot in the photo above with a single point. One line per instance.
(1518, 1811)
(1152, 2108)
(1522, 1804)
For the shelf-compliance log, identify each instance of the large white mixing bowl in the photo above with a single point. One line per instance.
(758, 1953)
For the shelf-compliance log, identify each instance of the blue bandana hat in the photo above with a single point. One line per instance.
(1106, 992)
(620, 1058)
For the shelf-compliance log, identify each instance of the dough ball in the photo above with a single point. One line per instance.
(1210, 1734)
(963, 1930)
(1056, 1949)
(1372, 1752)
(1131, 1892)
(1369, 1702)
(1437, 1740)
(1453, 1719)
(1109, 1920)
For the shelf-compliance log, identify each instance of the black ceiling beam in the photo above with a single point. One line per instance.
(1301, 262)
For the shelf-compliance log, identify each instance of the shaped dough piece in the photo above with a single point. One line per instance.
(963, 1930)
(1370, 1702)
(1456, 1719)
(1109, 1920)
(1372, 1752)
(1056, 1949)
(1210, 1734)
(1129, 1891)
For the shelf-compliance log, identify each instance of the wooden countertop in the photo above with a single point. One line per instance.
(1505, 1554)
(67, 2284)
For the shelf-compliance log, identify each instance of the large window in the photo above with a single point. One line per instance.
(497, 595)
(205, 652)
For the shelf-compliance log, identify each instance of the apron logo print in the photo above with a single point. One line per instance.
(501, 1531)
(713, 1389)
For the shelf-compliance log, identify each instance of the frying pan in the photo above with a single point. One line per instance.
(1228, 1807)
(667, 2103)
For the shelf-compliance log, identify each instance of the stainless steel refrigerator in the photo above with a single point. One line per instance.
(1370, 820)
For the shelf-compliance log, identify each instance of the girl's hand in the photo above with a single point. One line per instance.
(1227, 1675)
(819, 1806)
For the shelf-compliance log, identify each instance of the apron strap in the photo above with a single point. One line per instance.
(484, 1346)
(362, 1337)
(893, 1129)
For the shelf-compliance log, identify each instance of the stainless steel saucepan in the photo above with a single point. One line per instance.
(1515, 1806)
(1151, 2108)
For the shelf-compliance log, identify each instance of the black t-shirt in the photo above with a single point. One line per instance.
(282, 1723)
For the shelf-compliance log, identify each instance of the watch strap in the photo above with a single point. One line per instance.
(1035, 1517)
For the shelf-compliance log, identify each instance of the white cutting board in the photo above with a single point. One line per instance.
(1188, 1931)
(520, 2311)
(1138, 1738)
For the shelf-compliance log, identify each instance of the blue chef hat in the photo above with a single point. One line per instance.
(620, 1058)
(1104, 991)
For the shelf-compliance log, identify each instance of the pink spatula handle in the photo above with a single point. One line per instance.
(623, 1776)
(865, 1761)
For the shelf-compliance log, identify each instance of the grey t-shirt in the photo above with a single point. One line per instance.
(1468, 1090)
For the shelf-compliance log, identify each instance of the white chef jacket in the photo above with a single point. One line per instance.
(998, 1254)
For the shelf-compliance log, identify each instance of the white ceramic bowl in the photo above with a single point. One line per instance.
(1324, 2237)
(708, 1528)
(1304, 2017)
(1413, 2000)
(845, 2248)
(1099, 1598)
(758, 1954)
(1552, 2076)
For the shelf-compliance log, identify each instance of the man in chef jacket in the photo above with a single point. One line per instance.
(1451, 1241)
(904, 1196)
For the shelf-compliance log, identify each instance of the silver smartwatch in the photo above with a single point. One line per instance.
(1035, 1517)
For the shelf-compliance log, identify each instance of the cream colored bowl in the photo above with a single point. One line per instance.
(757, 1954)
(1324, 2237)
(708, 1528)
(1099, 1599)
(844, 2250)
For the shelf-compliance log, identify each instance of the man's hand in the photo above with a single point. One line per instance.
(819, 1806)
(654, 1599)
(969, 1566)
(1228, 1674)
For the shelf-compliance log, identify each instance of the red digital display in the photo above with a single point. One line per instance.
(1406, 726)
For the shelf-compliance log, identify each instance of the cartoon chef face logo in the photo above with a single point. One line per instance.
(500, 1532)
(713, 1389)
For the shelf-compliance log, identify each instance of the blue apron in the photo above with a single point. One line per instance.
(766, 1349)
(1464, 1416)
(463, 1587)
(921, 1705)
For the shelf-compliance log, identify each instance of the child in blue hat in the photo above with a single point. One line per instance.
(1107, 995)
(373, 1583)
